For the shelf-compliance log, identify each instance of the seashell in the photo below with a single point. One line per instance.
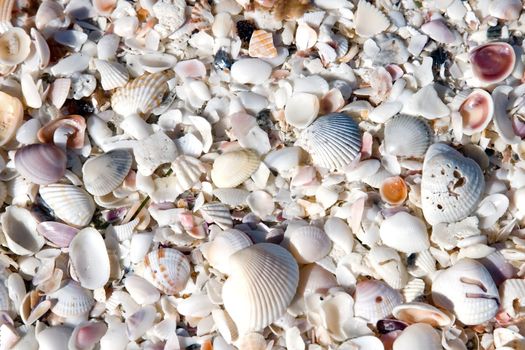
(262, 283)
(53, 338)
(157, 62)
(407, 136)
(308, 244)
(104, 7)
(451, 186)
(222, 25)
(50, 17)
(512, 294)
(112, 74)
(476, 111)
(405, 233)
(57, 233)
(438, 31)
(11, 117)
(340, 234)
(71, 204)
(30, 91)
(167, 269)
(261, 203)
(467, 289)
(252, 341)
(231, 196)
(250, 71)
(42, 164)
(393, 190)
(305, 37)
(72, 64)
(333, 141)
(104, 173)
(416, 312)
(141, 290)
(418, 336)
(375, 300)
(126, 26)
(14, 46)
(188, 171)
(6, 8)
(20, 232)
(72, 38)
(261, 44)
(142, 95)
(218, 251)
(107, 47)
(387, 263)
(153, 151)
(217, 213)
(140, 322)
(301, 109)
(426, 103)
(89, 258)
(233, 168)
(414, 290)
(284, 160)
(190, 69)
(86, 335)
(491, 209)
(314, 279)
(508, 10)
(59, 91)
(72, 300)
(492, 62)
(75, 126)
(369, 20)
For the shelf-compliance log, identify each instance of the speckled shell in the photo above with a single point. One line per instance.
(451, 186)
(375, 300)
(407, 136)
(218, 251)
(233, 168)
(167, 269)
(308, 244)
(71, 300)
(333, 141)
(42, 164)
(262, 283)
(104, 173)
(71, 204)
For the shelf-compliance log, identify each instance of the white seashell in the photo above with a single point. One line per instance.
(387, 263)
(112, 74)
(369, 21)
(308, 244)
(188, 171)
(261, 203)
(126, 26)
(50, 17)
(42, 48)
(89, 258)
(340, 234)
(375, 300)
(71, 300)
(6, 8)
(451, 186)
(156, 62)
(54, 338)
(136, 127)
(305, 37)
(301, 109)
(426, 103)
(418, 336)
(314, 279)
(233, 168)
(139, 246)
(74, 63)
(19, 228)
(512, 295)
(189, 145)
(252, 341)
(437, 30)
(141, 290)
(225, 325)
(368, 342)
(104, 7)
(284, 160)
(405, 233)
(262, 283)
(31, 91)
(14, 46)
(107, 47)
(222, 25)
(508, 10)
(231, 196)
(468, 290)
(333, 141)
(72, 38)
(385, 111)
(414, 290)
(86, 335)
(251, 71)
(190, 69)
(217, 213)
(218, 251)
(407, 136)
(416, 312)
(71, 204)
(59, 91)
(153, 151)
(170, 13)
(103, 174)
(476, 111)
(167, 269)
(491, 209)
(140, 322)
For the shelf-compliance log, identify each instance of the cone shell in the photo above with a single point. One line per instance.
(452, 185)
(405, 233)
(375, 300)
(15, 46)
(76, 122)
(309, 244)
(11, 116)
(233, 168)
(167, 269)
(217, 213)
(71, 300)
(492, 62)
(418, 336)
(42, 164)
(476, 111)
(262, 283)
(261, 45)
(369, 21)
(71, 204)
(112, 75)
(218, 251)
(333, 141)
(407, 136)
(104, 173)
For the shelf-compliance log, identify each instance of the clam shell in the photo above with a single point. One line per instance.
(112, 75)
(233, 168)
(416, 312)
(231, 196)
(76, 124)
(512, 294)
(104, 7)
(156, 62)
(340, 234)
(308, 244)
(86, 335)
(72, 300)
(89, 258)
(418, 336)
(167, 269)
(437, 30)
(333, 141)
(59, 92)
(369, 21)
(262, 283)
(50, 17)
(153, 151)
(508, 10)
(218, 251)
(11, 117)
(375, 300)
(57, 233)
(53, 338)
(314, 279)
(492, 62)
(476, 111)
(71, 204)
(19, 228)
(261, 44)
(250, 71)
(393, 190)
(301, 109)
(15, 45)
(387, 263)
(405, 233)
(452, 185)
(42, 164)
(467, 289)
(104, 173)
(217, 213)
(407, 136)
(140, 322)
(188, 171)
(141, 290)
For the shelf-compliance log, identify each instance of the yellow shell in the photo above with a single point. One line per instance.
(261, 45)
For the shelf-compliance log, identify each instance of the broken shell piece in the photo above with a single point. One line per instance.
(416, 312)
(393, 190)
(261, 45)
(301, 109)
(512, 294)
(112, 74)
(74, 124)
(305, 37)
(11, 117)
(14, 46)
(167, 269)
(437, 30)
(426, 103)
(492, 62)
(387, 263)
(476, 111)
(233, 168)
(140, 322)
(19, 228)
(153, 151)
(156, 62)
(217, 213)
(57, 233)
(105, 173)
(405, 233)
(86, 335)
(369, 20)
(407, 136)
(308, 244)
(71, 204)
(374, 300)
(42, 164)
(104, 7)
(418, 336)
(141, 290)
(508, 10)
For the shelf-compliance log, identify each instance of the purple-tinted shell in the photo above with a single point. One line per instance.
(492, 62)
(387, 326)
(57, 233)
(41, 163)
(498, 267)
(518, 124)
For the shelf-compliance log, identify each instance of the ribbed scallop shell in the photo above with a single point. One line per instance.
(71, 204)
(11, 117)
(231, 196)
(233, 168)
(72, 300)
(218, 251)
(467, 289)
(375, 300)
(167, 269)
(333, 141)
(309, 244)
(217, 213)
(141, 95)
(112, 74)
(104, 173)
(407, 136)
(261, 44)
(452, 185)
(187, 171)
(42, 164)
(262, 283)
(369, 21)
(6, 8)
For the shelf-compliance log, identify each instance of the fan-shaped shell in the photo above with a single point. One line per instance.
(418, 336)
(231, 196)
(71, 204)
(112, 74)
(407, 136)
(187, 172)
(451, 186)
(11, 117)
(233, 168)
(104, 173)
(42, 164)
(261, 45)
(369, 21)
(467, 289)
(262, 283)
(333, 141)
(308, 244)
(20, 232)
(218, 251)
(217, 213)
(72, 300)
(57, 233)
(167, 269)
(405, 233)
(375, 300)
(15, 46)
(492, 62)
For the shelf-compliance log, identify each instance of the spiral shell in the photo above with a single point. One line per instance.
(167, 269)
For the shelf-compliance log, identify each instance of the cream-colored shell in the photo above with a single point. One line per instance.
(15, 46)
(217, 213)
(418, 336)
(375, 300)
(71, 204)
(71, 300)
(512, 294)
(369, 20)
(226, 243)
(104, 173)
(308, 244)
(405, 233)
(233, 168)
(112, 74)
(388, 264)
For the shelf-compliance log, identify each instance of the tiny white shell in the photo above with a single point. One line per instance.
(369, 21)
(112, 74)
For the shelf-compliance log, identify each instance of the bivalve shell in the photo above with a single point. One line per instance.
(167, 269)
(405, 233)
(512, 294)
(251, 71)
(508, 10)
(492, 62)
(301, 109)
(72, 300)
(261, 45)
(393, 190)
(375, 300)
(71, 204)
(104, 173)
(407, 136)
(387, 263)
(476, 111)
(418, 336)
(308, 244)
(15, 46)
(218, 251)
(19, 228)
(112, 75)
(417, 312)
(57, 233)
(217, 213)
(11, 117)
(233, 168)
(42, 164)
(369, 21)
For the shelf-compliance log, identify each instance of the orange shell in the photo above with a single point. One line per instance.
(77, 122)
(11, 116)
(261, 45)
(393, 190)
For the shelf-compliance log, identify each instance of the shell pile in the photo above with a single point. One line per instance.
(262, 174)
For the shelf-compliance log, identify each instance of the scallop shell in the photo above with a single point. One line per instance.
(492, 62)
(407, 136)
(15, 45)
(217, 213)
(71, 204)
(231, 196)
(188, 171)
(512, 294)
(76, 124)
(467, 289)
(42, 164)
(72, 300)
(167, 269)
(416, 312)
(141, 95)
(375, 300)
(452, 185)
(333, 141)
(19, 228)
(11, 117)
(476, 111)
(104, 173)
(369, 21)
(89, 258)
(233, 168)
(387, 263)
(262, 283)
(405, 233)
(112, 74)
(508, 10)
(261, 44)
(218, 251)
(418, 336)
(308, 244)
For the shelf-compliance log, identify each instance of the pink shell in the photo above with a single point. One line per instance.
(493, 62)
(57, 233)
